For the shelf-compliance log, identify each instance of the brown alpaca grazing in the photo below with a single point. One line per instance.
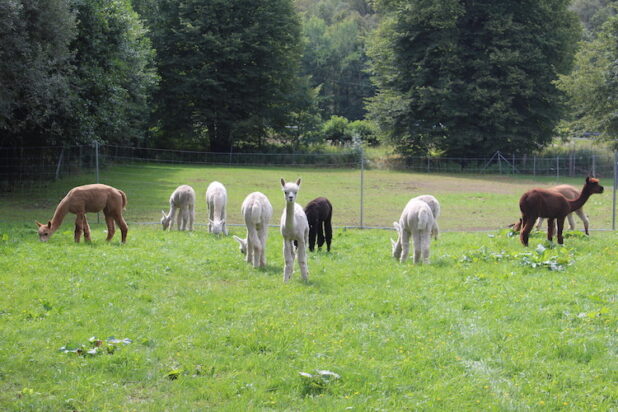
(88, 199)
(552, 205)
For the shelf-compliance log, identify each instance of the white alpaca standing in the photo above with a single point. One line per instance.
(434, 205)
(417, 221)
(294, 227)
(182, 201)
(257, 212)
(216, 199)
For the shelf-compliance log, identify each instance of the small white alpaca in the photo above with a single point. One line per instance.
(294, 227)
(257, 212)
(417, 221)
(434, 205)
(183, 202)
(216, 199)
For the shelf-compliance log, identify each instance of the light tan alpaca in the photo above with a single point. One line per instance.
(88, 199)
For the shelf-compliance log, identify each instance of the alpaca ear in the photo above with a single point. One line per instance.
(587, 178)
(393, 242)
(236, 238)
(163, 213)
(210, 221)
(282, 182)
(39, 224)
(49, 224)
(298, 182)
(397, 226)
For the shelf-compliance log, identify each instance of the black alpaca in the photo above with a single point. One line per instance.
(319, 214)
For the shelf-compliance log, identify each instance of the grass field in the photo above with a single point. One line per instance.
(468, 202)
(488, 325)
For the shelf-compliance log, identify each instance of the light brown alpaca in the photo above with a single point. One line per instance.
(554, 206)
(88, 199)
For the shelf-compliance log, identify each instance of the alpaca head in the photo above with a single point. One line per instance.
(396, 246)
(165, 220)
(217, 226)
(290, 190)
(243, 244)
(593, 185)
(45, 231)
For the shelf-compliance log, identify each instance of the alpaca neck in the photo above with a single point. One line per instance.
(61, 211)
(581, 200)
(289, 215)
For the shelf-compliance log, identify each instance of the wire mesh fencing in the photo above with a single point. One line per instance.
(367, 193)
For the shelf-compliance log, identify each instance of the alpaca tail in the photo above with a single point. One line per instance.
(426, 220)
(124, 199)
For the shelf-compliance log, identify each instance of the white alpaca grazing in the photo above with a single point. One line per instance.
(416, 221)
(294, 227)
(257, 212)
(183, 202)
(434, 205)
(216, 199)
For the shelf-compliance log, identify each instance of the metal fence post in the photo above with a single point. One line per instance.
(615, 182)
(59, 163)
(557, 167)
(534, 165)
(594, 166)
(96, 163)
(362, 185)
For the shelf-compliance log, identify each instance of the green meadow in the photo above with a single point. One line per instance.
(488, 325)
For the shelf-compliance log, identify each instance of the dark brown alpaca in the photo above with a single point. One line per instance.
(319, 215)
(552, 205)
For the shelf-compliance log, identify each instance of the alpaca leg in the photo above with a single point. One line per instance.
(302, 259)
(435, 230)
(571, 221)
(249, 257)
(211, 216)
(191, 216)
(328, 233)
(584, 218)
(551, 226)
(312, 235)
(263, 235)
(257, 253)
(288, 255)
(124, 229)
(86, 229)
(418, 238)
(425, 242)
(111, 229)
(320, 234)
(527, 225)
(405, 245)
(78, 228)
(560, 223)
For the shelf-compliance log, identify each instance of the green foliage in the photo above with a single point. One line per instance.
(73, 71)
(227, 70)
(115, 73)
(591, 87)
(335, 130)
(35, 71)
(334, 55)
(470, 78)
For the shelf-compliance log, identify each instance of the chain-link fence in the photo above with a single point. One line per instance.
(368, 194)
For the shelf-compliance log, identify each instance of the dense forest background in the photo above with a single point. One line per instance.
(443, 77)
